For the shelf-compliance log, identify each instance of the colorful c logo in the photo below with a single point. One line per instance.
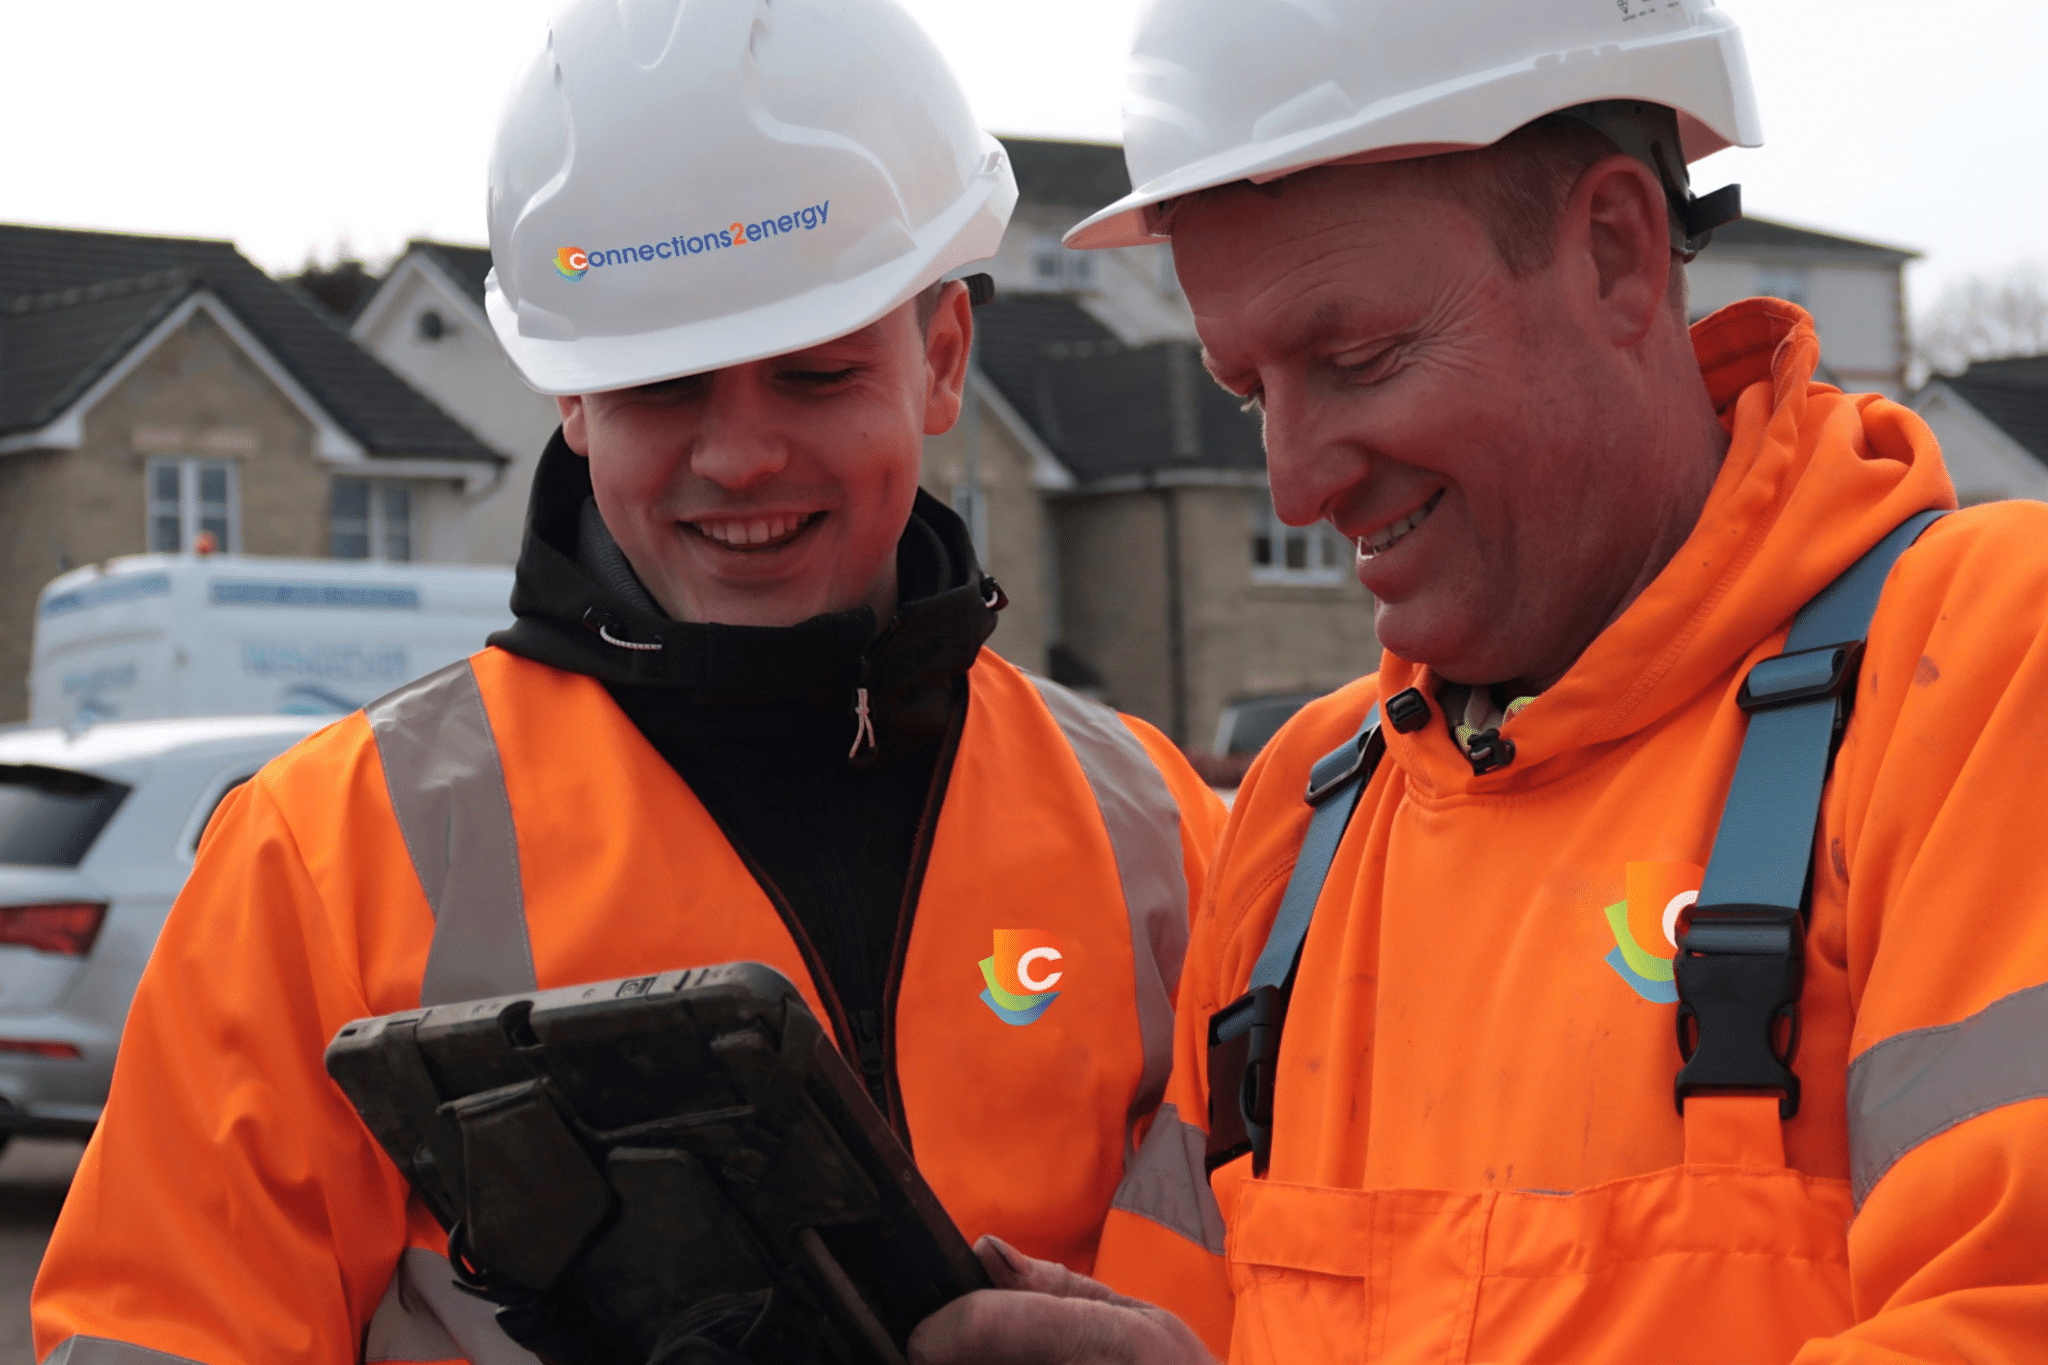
(572, 262)
(1646, 926)
(1020, 975)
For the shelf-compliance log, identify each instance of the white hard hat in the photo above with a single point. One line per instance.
(1227, 90)
(682, 185)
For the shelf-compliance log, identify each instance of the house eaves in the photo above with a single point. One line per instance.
(373, 407)
(1767, 239)
(56, 345)
(332, 443)
(430, 265)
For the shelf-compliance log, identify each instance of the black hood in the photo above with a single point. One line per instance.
(579, 607)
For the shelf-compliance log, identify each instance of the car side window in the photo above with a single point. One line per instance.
(199, 829)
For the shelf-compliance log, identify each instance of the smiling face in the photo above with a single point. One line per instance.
(768, 493)
(1494, 444)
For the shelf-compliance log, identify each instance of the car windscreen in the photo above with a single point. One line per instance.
(50, 816)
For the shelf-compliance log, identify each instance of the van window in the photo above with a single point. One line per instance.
(50, 816)
(199, 830)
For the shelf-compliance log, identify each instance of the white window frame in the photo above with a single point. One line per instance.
(1328, 556)
(378, 528)
(188, 511)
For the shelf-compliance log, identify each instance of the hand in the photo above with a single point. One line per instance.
(1041, 1313)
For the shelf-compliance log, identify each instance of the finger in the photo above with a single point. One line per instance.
(1010, 1268)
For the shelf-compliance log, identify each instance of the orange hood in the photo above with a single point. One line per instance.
(1812, 479)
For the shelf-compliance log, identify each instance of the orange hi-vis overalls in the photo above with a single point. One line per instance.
(1476, 1155)
(502, 825)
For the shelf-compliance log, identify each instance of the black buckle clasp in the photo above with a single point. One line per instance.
(1740, 969)
(1244, 1052)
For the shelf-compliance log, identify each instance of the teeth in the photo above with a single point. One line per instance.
(759, 531)
(1382, 540)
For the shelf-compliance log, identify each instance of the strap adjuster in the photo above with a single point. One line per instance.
(1339, 766)
(1803, 675)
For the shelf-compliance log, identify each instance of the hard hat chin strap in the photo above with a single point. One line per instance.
(1649, 133)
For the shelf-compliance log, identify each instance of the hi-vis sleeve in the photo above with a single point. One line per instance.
(231, 1209)
(1163, 1240)
(1932, 837)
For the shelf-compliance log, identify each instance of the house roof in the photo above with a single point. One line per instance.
(1107, 410)
(1079, 175)
(2012, 395)
(466, 265)
(1765, 235)
(73, 303)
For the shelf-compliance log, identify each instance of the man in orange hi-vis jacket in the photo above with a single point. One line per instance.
(1574, 990)
(745, 712)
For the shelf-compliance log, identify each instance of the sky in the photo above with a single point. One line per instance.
(302, 128)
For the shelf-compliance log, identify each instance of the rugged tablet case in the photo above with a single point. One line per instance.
(659, 1170)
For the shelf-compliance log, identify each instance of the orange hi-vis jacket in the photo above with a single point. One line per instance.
(1476, 1153)
(502, 825)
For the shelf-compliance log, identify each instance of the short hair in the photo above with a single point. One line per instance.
(1519, 185)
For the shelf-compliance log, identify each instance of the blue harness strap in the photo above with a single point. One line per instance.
(1334, 786)
(1244, 1036)
(1740, 967)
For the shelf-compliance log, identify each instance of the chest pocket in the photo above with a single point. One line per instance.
(1708, 1263)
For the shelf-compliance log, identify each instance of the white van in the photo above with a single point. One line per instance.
(149, 636)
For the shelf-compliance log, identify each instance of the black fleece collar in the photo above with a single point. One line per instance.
(579, 607)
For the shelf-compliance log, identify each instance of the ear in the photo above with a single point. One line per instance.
(1617, 218)
(574, 433)
(948, 343)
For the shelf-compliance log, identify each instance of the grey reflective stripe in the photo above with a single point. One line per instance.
(1918, 1085)
(448, 792)
(424, 1317)
(104, 1351)
(1165, 1183)
(1143, 821)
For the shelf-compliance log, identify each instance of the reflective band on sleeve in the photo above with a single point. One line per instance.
(102, 1351)
(424, 1317)
(1165, 1183)
(1918, 1085)
(1143, 821)
(448, 791)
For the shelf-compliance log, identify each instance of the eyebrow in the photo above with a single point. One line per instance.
(1322, 321)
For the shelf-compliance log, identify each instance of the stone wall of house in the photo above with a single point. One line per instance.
(1016, 531)
(1114, 608)
(198, 394)
(1238, 639)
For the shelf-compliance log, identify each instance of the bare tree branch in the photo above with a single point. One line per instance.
(1984, 318)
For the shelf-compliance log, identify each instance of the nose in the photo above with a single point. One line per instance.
(739, 442)
(1309, 468)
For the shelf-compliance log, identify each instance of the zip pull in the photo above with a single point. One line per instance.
(864, 730)
(867, 1041)
(867, 1038)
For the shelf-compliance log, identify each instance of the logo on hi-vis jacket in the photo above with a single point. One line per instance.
(1646, 926)
(1021, 974)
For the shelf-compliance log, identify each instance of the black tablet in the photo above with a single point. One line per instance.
(674, 1168)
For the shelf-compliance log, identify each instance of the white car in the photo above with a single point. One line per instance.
(97, 832)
